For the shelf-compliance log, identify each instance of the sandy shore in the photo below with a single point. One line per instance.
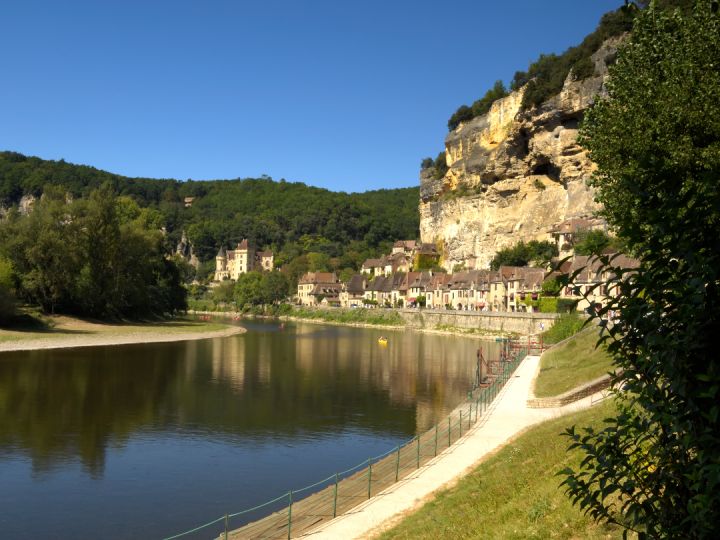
(68, 332)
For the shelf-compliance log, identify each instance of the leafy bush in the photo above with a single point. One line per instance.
(653, 467)
(565, 326)
(545, 77)
(479, 107)
(547, 304)
(566, 305)
(521, 254)
(358, 315)
(440, 166)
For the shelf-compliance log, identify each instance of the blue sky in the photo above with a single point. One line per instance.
(347, 96)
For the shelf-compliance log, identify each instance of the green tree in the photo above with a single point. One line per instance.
(275, 287)
(522, 254)
(656, 141)
(551, 287)
(591, 242)
(7, 285)
(250, 290)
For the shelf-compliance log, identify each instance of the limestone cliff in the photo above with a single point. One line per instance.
(512, 174)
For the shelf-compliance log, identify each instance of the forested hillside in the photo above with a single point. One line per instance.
(311, 227)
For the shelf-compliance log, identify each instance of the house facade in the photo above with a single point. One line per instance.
(319, 288)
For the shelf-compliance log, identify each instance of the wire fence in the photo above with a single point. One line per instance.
(301, 510)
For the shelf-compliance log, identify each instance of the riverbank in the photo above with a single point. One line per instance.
(67, 332)
(507, 418)
(443, 330)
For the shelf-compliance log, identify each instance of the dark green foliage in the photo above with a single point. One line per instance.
(426, 163)
(545, 76)
(94, 257)
(566, 305)
(656, 140)
(440, 165)
(522, 254)
(479, 107)
(7, 286)
(463, 114)
(551, 287)
(289, 218)
(594, 242)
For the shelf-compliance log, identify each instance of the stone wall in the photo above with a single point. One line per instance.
(520, 323)
(585, 390)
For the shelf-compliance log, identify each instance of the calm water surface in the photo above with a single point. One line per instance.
(145, 441)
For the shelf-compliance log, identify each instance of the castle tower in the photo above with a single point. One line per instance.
(221, 270)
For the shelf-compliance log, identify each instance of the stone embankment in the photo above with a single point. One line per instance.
(497, 322)
(494, 323)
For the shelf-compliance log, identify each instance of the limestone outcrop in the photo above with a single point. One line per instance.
(512, 174)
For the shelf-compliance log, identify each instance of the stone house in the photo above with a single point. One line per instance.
(352, 293)
(589, 287)
(373, 267)
(314, 288)
(435, 291)
(406, 247)
(565, 234)
(417, 286)
(380, 290)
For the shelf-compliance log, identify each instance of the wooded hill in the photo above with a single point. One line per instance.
(339, 230)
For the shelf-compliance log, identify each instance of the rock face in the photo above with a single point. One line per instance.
(512, 174)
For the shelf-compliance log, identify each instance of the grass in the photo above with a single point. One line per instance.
(474, 331)
(514, 494)
(59, 327)
(571, 364)
(378, 317)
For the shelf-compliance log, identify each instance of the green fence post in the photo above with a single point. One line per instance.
(460, 423)
(397, 464)
(436, 434)
(469, 414)
(369, 476)
(226, 527)
(449, 429)
(335, 496)
(289, 513)
(418, 452)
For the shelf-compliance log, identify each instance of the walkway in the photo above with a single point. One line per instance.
(505, 419)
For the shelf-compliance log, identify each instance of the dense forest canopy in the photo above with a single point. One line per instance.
(290, 218)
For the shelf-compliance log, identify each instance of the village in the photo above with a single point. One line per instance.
(396, 280)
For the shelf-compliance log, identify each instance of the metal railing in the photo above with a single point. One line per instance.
(301, 510)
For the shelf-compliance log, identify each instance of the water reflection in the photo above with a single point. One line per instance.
(255, 406)
(59, 404)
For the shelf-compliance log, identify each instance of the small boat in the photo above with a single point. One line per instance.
(382, 341)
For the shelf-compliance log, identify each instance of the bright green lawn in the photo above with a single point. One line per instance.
(514, 494)
(571, 364)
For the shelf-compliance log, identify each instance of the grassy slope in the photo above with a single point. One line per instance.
(572, 363)
(514, 494)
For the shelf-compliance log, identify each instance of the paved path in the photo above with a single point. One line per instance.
(507, 417)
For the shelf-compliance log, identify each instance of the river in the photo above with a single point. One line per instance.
(145, 441)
